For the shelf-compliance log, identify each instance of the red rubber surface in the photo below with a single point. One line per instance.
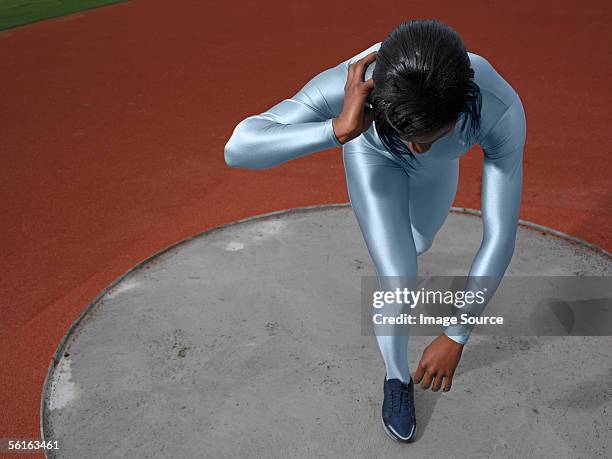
(114, 120)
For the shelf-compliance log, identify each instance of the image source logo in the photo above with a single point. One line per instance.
(519, 306)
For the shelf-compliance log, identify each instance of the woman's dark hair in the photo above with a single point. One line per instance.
(422, 83)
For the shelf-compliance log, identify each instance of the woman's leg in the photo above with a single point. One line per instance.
(432, 192)
(385, 200)
(379, 193)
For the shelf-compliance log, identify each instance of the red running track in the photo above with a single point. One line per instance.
(114, 120)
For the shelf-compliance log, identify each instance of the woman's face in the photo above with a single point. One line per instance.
(422, 142)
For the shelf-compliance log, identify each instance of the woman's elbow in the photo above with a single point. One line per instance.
(238, 151)
(238, 157)
(234, 151)
(231, 158)
(248, 148)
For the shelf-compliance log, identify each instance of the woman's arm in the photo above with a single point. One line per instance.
(294, 127)
(502, 180)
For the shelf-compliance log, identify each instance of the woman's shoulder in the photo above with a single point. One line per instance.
(496, 93)
(490, 80)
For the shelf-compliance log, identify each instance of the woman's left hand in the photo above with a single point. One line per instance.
(438, 362)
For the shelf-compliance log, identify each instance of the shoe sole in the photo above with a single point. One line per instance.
(396, 438)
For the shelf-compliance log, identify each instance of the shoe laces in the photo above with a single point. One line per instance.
(401, 400)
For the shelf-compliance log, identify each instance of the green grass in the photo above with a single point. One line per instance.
(14, 13)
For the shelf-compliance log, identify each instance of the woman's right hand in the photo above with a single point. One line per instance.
(356, 117)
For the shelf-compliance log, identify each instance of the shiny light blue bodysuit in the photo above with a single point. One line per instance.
(401, 204)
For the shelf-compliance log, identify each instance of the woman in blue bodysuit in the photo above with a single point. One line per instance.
(402, 132)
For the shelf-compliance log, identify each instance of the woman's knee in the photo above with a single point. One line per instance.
(422, 244)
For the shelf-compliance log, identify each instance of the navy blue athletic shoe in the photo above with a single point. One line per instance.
(398, 415)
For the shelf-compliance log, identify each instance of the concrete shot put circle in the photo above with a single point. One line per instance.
(245, 341)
